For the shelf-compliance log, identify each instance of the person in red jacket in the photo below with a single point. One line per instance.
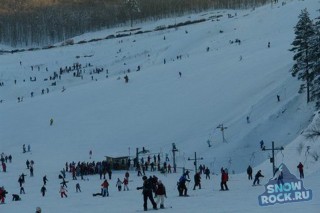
(160, 194)
(125, 184)
(300, 167)
(105, 186)
(224, 179)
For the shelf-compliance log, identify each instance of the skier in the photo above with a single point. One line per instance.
(147, 193)
(24, 148)
(160, 194)
(78, 187)
(43, 190)
(249, 172)
(182, 188)
(44, 180)
(300, 167)
(262, 144)
(64, 183)
(31, 171)
(119, 184)
(21, 179)
(63, 192)
(51, 121)
(197, 181)
(256, 178)
(278, 98)
(224, 180)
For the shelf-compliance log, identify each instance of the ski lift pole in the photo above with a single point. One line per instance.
(222, 128)
(272, 159)
(195, 161)
(174, 150)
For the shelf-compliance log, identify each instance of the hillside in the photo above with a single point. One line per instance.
(222, 82)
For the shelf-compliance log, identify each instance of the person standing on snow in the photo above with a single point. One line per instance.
(125, 184)
(105, 186)
(300, 167)
(249, 172)
(119, 184)
(43, 190)
(147, 193)
(160, 194)
(224, 180)
(197, 181)
(63, 192)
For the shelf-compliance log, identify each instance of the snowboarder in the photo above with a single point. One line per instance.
(256, 178)
(160, 194)
(147, 193)
(224, 180)
(300, 167)
(249, 172)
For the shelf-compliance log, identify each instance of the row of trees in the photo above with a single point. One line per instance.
(44, 22)
(306, 48)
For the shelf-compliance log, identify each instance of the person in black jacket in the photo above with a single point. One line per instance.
(147, 193)
(249, 172)
(197, 181)
(256, 178)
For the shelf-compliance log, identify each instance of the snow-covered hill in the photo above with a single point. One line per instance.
(222, 82)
